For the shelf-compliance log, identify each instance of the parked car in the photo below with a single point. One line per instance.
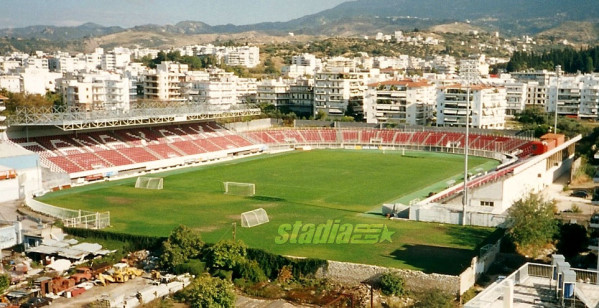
(36, 302)
(579, 194)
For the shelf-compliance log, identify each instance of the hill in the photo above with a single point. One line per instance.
(575, 20)
(576, 32)
(59, 33)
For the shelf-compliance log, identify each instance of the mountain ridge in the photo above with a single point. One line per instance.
(366, 17)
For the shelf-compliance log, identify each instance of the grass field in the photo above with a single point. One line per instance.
(311, 187)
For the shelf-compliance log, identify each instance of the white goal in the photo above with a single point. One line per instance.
(240, 189)
(254, 218)
(149, 183)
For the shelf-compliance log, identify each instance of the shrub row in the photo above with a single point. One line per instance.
(271, 263)
(136, 242)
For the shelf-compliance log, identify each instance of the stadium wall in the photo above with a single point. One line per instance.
(9, 190)
(29, 176)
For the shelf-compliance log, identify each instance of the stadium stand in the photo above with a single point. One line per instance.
(97, 150)
(89, 151)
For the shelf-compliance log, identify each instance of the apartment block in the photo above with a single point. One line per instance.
(400, 102)
(487, 106)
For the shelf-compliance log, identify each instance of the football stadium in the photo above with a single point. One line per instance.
(386, 196)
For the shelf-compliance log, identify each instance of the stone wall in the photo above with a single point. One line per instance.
(415, 280)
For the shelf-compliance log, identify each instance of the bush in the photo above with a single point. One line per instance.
(391, 284)
(250, 271)
(194, 267)
(434, 299)
(224, 274)
(4, 282)
(208, 292)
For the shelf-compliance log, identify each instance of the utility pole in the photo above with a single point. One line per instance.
(234, 231)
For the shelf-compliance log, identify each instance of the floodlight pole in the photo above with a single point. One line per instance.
(466, 146)
(558, 70)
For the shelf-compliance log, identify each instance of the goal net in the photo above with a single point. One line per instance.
(254, 218)
(240, 189)
(149, 183)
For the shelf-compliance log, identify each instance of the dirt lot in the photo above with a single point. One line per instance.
(112, 290)
(563, 200)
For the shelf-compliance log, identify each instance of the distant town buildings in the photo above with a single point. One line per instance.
(397, 89)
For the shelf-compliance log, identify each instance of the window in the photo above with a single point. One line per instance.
(487, 203)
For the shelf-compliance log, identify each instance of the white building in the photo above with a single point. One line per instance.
(445, 64)
(221, 90)
(475, 64)
(116, 59)
(247, 56)
(401, 102)
(516, 97)
(102, 91)
(589, 99)
(568, 90)
(334, 90)
(35, 62)
(487, 106)
(12, 83)
(576, 96)
(38, 81)
(302, 65)
(165, 82)
(273, 92)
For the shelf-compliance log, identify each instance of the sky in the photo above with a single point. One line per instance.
(128, 13)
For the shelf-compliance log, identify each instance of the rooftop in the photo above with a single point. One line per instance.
(531, 286)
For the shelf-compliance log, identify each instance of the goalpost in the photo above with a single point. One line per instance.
(240, 189)
(149, 183)
(254, 218)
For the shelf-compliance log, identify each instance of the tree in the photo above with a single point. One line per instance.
(16, 100)
(532, 222)
(182, 244)
(571, 127)
(208, 292)
(226, 254)
(532, 115)
(321, 115)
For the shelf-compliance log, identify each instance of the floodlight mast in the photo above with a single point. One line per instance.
(466, 75)
(558, 72)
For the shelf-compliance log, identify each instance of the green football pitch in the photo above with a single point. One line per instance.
(312, 187)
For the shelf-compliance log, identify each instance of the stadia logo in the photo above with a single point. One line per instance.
(332, 232)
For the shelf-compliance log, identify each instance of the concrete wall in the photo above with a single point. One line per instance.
(452, 214)
(576, 164)
(250, 125)
(478, 266)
